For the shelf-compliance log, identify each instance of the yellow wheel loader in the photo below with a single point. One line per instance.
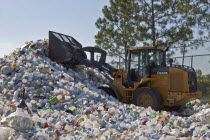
(148, 81)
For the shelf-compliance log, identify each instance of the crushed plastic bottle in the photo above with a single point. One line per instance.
(53, 100)
(18, 120)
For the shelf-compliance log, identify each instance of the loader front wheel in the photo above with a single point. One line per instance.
(146, 97)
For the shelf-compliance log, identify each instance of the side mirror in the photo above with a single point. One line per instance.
(170, 61)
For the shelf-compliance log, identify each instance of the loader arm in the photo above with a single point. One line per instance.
(101, 64)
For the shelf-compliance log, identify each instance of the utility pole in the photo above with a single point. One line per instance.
(153, 24)
(183, 55)
(119, 61)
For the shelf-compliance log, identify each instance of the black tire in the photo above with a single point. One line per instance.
(147, 96)
(108, 91)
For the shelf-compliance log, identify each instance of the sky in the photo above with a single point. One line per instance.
(27, 20)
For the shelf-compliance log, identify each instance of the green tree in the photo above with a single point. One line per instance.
(173, 23)
(198, 11)
(198, 14)
(118, 28)
(208, 76)
(203, 82)
(199, 74)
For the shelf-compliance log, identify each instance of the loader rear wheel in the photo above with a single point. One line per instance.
(108, 91)
(146, 97)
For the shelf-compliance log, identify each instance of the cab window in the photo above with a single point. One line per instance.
(155, 58)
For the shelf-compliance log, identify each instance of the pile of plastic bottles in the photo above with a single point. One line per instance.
(66, 103)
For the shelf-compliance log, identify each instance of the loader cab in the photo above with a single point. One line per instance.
(142, 60)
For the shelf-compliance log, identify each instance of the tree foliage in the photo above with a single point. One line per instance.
(198, 14)
(203, 82)
(118, 27)
(173, 23)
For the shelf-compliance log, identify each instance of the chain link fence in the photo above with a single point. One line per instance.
(198, 62)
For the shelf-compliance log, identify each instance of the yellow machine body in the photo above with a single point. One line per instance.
(173, 86)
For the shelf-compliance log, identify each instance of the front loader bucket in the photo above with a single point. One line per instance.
(65, 49)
